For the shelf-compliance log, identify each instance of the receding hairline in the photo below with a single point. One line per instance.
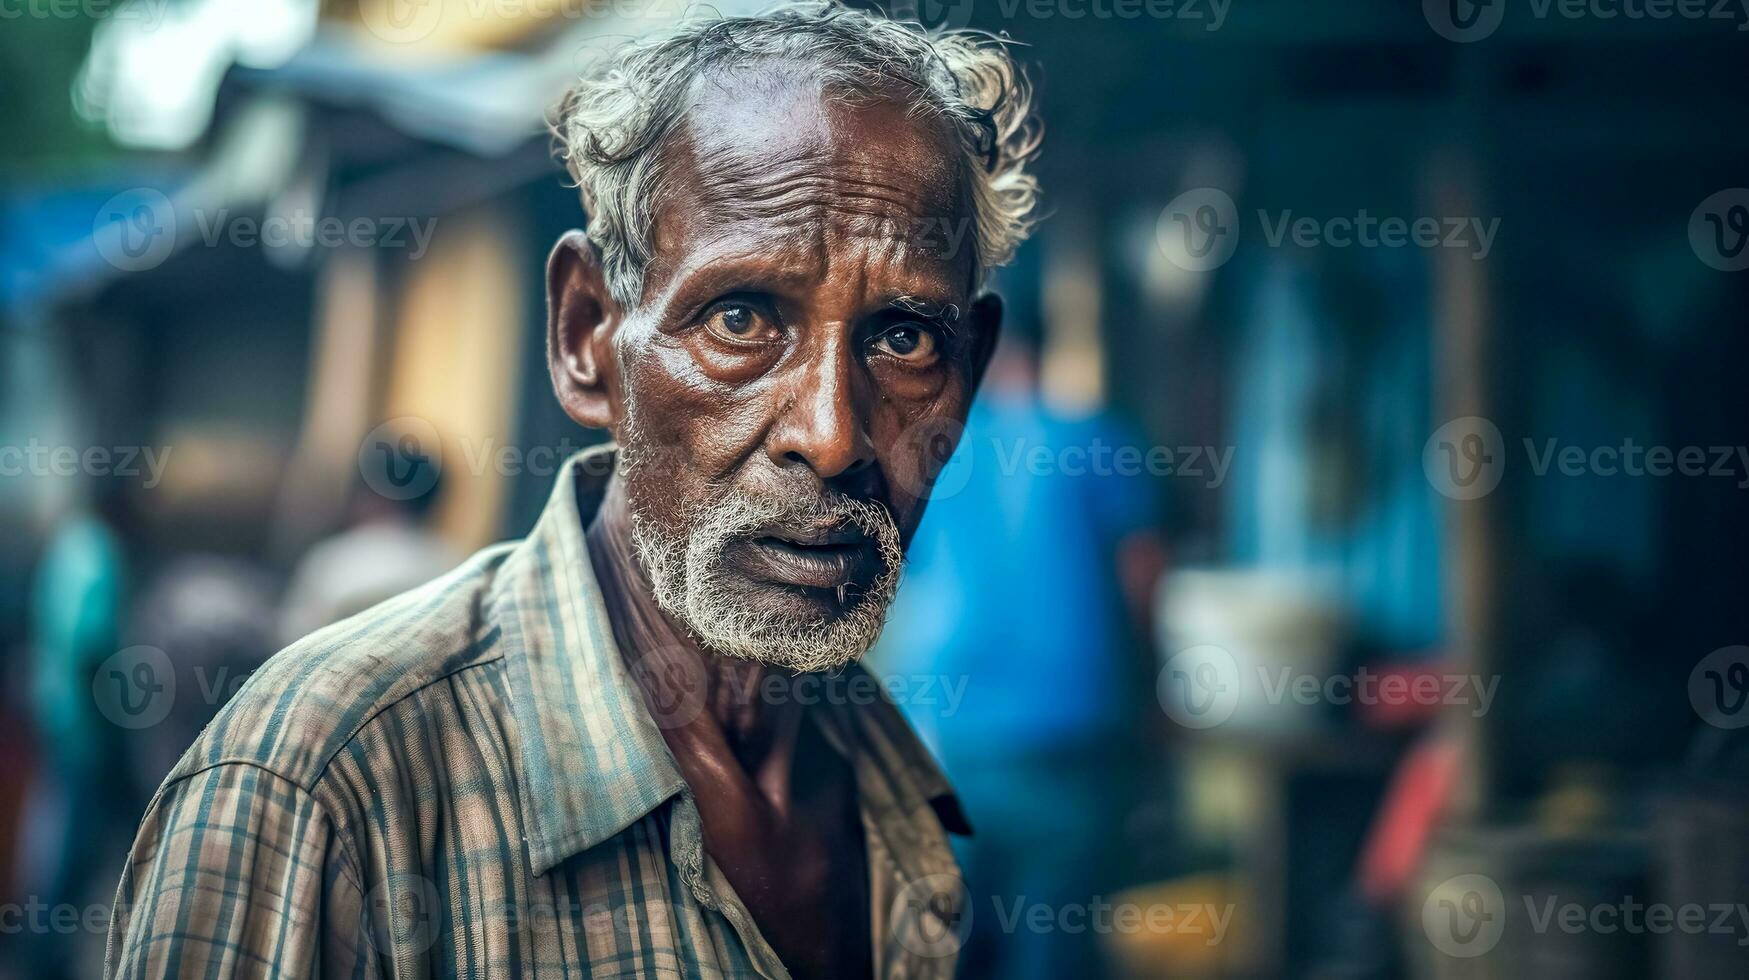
(614, 125)
(684, 164)
(792, 80)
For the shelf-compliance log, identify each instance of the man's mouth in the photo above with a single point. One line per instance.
(816, 558)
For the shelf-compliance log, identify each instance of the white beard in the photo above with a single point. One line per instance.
(687, 575)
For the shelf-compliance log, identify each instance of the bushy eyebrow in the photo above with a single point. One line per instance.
(945, 317)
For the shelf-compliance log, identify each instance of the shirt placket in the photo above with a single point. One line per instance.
(712, 889)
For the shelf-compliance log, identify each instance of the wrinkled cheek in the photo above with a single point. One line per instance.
(921, 455)
(685, 431)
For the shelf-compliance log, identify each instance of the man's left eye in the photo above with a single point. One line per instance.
(908, 342)
(739, 322)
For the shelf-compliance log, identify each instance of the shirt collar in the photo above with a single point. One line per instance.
(593, 759)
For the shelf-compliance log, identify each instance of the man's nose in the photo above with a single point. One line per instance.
(824, 424)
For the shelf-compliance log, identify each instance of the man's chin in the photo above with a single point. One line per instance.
(796, 627)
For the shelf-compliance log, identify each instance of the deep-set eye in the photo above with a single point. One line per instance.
(908, 342)
(739, 323)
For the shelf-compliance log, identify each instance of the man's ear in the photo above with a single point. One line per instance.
(581, 319)
(985, 321)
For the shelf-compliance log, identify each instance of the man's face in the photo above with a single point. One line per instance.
(804, 349)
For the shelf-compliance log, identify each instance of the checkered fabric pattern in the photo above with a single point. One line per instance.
(466, 781)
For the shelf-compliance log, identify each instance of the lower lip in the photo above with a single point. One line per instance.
(819, 568)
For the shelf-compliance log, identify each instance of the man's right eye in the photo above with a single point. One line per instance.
(739, 323)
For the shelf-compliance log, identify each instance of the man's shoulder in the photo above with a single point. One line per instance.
(311, 700)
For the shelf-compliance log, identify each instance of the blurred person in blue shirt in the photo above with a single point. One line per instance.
(1026, 590)
(78, 594)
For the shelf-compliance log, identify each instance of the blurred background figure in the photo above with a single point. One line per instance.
(387, 547)
(1026, 602)
(78, 608)
(217, 613)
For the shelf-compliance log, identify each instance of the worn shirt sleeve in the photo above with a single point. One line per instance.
(238, 872)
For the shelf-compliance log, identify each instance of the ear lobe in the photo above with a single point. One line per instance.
(581, 319)
(986, 323)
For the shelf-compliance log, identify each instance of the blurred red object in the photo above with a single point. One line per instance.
(1418, 796)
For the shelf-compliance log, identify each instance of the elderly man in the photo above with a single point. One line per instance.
(586, 754)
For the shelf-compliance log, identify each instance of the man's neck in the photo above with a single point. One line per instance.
(777, 807)
(705, 703)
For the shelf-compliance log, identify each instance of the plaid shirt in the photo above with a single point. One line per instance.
(466, 781)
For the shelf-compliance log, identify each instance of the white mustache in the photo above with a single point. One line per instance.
(686, 570)
(818, 516)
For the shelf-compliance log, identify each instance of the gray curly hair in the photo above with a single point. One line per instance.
(613, 124)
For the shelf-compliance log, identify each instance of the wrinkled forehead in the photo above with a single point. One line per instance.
(776, 163)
